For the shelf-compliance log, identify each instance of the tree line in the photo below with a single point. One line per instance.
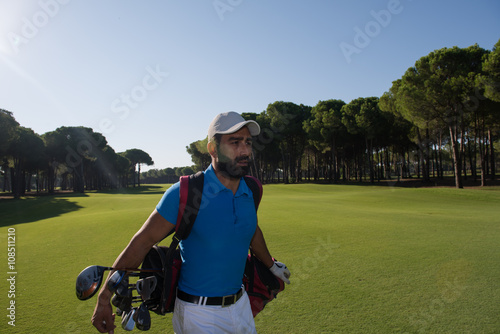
(442, 115)
(69, 158)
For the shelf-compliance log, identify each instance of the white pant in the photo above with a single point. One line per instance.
(189, 318)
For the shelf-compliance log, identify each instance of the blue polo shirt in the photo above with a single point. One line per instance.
(214, 253)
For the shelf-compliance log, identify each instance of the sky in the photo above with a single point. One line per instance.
(153, 74)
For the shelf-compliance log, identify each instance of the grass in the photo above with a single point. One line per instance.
(364, 259)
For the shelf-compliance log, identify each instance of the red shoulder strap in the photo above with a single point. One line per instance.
(183, 192)
(256, 187)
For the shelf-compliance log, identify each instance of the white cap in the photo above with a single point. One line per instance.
(231, 122)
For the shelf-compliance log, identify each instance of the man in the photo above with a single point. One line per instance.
(215, 252)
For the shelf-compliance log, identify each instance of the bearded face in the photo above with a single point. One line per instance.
(234, 168)
(234, 154)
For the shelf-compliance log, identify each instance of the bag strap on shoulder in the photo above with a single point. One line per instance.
(191, 190)
(256, 187)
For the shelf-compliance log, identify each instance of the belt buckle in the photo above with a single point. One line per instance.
(228, 298)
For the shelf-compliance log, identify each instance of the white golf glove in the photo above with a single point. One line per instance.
(281, 271)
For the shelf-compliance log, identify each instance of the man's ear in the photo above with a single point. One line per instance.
(212, 148)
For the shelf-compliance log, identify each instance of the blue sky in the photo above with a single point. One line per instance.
(152, 74)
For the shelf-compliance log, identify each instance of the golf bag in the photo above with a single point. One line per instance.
(261, 284)
(162, 298)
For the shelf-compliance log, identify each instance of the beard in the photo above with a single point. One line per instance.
(232, 169)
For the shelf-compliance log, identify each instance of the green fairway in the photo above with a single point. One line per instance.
(364, 259)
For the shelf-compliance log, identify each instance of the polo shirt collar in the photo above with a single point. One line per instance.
(215, 186)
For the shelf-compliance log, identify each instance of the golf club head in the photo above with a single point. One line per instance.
(88, 281)
(124, 288)
(128, 322)
(146, 286)
(116, 280)
(122, 303)
(142, 318)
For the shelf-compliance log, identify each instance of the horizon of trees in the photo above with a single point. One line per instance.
(443, 114)
(68, 158)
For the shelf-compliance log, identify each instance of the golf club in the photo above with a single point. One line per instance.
(142, 318)
(146, 286)
(122, 290)
(128, 320)
(119, 283)
(117, 278)
(124, 303)
(89, 280)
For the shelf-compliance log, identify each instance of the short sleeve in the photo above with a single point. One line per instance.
(168, 206)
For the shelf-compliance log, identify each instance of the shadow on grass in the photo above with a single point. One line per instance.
(144, 189)
(27, 210)
(38, 206)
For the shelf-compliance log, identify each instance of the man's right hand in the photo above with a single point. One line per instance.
(103, 318)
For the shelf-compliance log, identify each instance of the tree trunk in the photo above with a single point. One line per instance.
(472, 161)
(308, 167)
(5, 178)
(408, 164)
(457, 162)
(440, 155)
(283, 162)
(492, 155)
(78, 179)
(28, 182)
(462, 152)
(422, 161)
(51, 180)
(482, 149)
(428, 157)
(16, 179)
(139, 175)
(434, 161)
(369, 158)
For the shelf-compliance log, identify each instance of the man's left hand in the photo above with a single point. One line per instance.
(281, 271)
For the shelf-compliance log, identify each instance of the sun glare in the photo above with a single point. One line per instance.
(13, 18)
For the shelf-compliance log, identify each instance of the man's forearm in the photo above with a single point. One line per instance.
(259, 248)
